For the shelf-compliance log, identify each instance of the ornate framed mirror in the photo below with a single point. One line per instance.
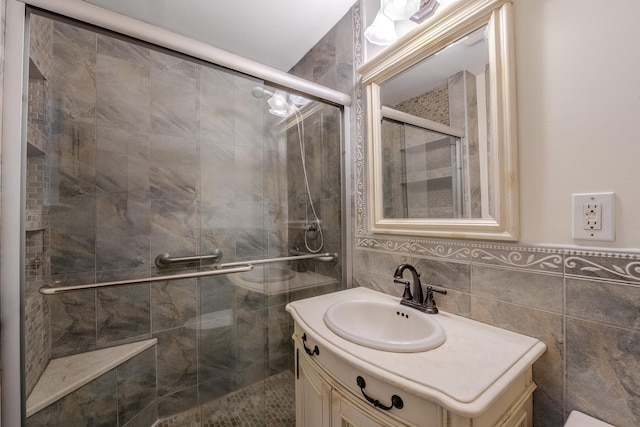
(442, 128)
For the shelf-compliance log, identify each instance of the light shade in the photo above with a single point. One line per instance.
(399, 10)
(278, 104)
(382, 31)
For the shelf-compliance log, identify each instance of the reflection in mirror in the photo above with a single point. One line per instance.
(435, 138)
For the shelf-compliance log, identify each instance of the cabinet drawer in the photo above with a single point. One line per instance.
(415, 411)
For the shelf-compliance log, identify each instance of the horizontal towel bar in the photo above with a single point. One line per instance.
(52, 290)
(165, 260)
(227, 268)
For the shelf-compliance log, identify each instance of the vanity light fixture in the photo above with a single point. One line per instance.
(399, 10)
(382, 31)
(278, 103)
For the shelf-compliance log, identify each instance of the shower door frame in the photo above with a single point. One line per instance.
(14, 157)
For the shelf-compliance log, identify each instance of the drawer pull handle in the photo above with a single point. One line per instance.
(396, 401)
(315, 351)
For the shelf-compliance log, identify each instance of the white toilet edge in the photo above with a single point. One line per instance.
(578, 419)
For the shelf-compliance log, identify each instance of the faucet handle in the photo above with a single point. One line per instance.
(407, 291)
(429, 302)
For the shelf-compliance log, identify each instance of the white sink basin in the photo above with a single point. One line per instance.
(383, 325)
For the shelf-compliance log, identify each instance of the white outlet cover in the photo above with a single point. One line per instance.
(607, 219)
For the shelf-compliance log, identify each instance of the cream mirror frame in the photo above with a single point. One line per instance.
(453, 23)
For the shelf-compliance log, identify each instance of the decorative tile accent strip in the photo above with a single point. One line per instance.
(521, 257)
(615, 266)
(430, 248)
(360, 204)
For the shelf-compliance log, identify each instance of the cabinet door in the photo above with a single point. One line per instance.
(345, 413)
(313, 396)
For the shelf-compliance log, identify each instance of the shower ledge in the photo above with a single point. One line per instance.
(67, 374)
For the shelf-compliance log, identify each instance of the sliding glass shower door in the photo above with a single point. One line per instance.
(135, 152)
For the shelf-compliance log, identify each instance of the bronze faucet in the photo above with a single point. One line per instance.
(415, 299)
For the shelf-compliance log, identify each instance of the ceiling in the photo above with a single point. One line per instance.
(277, 33)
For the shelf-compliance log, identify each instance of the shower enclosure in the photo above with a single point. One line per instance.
(136, 157)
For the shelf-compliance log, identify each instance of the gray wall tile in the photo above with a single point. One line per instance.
(603, 372)
(540, 291)
(136, 385)
(602, 302)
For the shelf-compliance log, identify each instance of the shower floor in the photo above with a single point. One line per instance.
(269, 403)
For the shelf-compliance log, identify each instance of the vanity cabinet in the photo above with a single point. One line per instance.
(337, 382)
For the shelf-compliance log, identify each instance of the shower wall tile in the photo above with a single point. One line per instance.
(94, 404)
(249, 114)
(122, 313)
(251, 238)
(123, 93)
(177, 402)
(73, 323)
(603, 372)
(174, 228)
(177, 360)
(218, 229)
(121, 49)
(72, 200)
(324, 56)
(75, 37)
(249, 174)
(217, 173)
(122, 231)
(73, 82)
(173, 304)
(217, 115)
(174, 167)
(136, 381)
(48, 417)
(145, 418)
(213, 389)
(119, 149)
(280, 332)
(173, 97)
(275, 176)
(215, 294)
(252, 343)
(216, 352)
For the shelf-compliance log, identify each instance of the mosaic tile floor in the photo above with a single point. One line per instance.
(270, 403)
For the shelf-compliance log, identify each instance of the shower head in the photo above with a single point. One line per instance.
(260, 92)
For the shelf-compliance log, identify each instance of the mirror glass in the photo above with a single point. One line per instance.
(435, 142)
(442, 128)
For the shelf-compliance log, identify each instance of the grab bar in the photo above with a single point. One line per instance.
(51, 290)
(165, 260)
(325, 257)
(227, 268)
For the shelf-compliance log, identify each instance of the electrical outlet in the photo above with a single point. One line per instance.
(593, 216)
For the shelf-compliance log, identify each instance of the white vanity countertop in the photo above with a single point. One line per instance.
(465, 374)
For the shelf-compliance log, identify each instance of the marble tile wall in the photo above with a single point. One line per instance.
(584, 305)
